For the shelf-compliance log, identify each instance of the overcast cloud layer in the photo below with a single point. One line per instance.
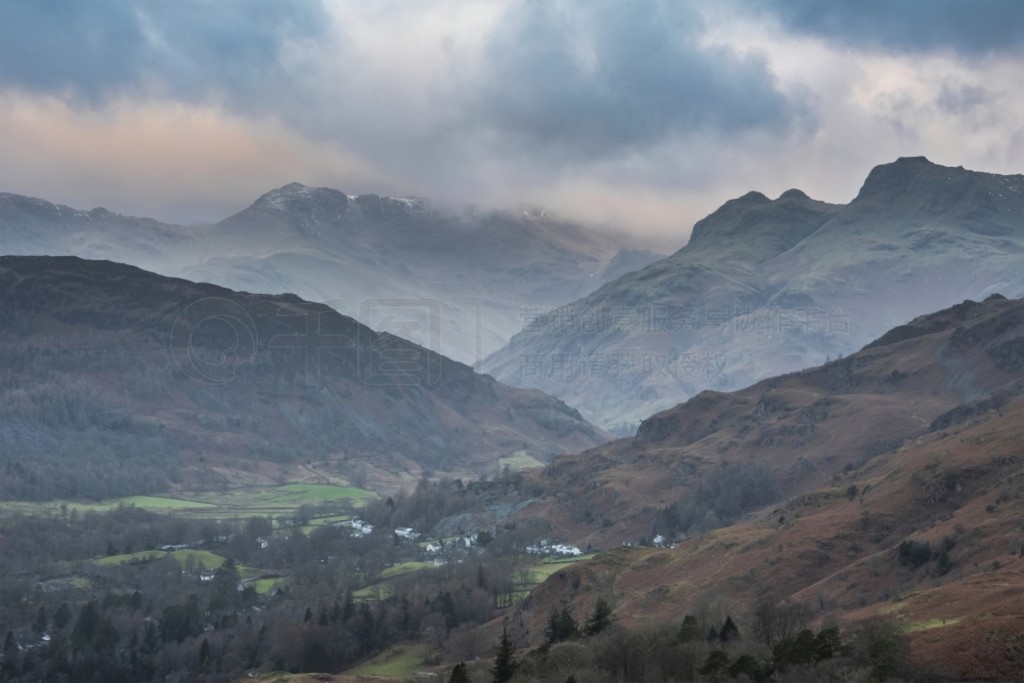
(641, 113)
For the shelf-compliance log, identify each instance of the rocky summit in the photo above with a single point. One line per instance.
(766, 286)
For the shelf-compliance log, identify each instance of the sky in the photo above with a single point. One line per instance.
(641, 114)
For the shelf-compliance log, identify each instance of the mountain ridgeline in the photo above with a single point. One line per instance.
(769, 286)
(483, 272)
(119, 381)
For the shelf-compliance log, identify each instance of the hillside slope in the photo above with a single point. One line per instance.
(116, 381)
(931, 538)
(769, 286)
(791, 433)
(886, 484)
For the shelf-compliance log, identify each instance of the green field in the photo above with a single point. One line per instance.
(929, 625)
(268, 585)
(520, 460)
(141, 556)
(208, 560)
(404, 568)
(546, 568)
(259, 501)
(55, 507)
(401, 660)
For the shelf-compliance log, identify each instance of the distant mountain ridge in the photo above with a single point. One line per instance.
(118, 381)
(769, 286)
(483, 272)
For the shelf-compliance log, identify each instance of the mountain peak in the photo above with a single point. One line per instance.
(753, 197)
(888, 182)
(772, 225)
(291, 195)
(794, 194)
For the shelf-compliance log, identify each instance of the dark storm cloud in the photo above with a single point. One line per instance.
(970, 27)
(101, 48)
(589, 79)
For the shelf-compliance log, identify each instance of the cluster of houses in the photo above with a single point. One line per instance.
(360, 526)
(363, 528)
(554, 549)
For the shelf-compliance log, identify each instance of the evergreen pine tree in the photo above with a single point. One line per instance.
(561, 626)
(600, 619)
(39, 625)
(459, 674)
(62, 616)
(690, 631)
(505, 663)
(729, 632)
(716, 663)
(10, 645)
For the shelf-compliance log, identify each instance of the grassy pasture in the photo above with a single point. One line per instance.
(401, 660)
(404, 568)
(914, 627)
(520, 460)
(259, 501)
(208, 559)
(546, 568)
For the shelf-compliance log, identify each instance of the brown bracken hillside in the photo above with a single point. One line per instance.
(900, 475)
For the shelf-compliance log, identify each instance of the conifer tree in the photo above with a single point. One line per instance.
(728, 631)
(600, 619)
(459, 674)
(505, 663)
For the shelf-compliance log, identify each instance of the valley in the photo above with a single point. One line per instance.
(518, 341)
(220, 485)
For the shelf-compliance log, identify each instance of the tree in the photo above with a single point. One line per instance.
(880, 644)
(505, 663)
(39, 625)
(226, 580)
(85, 626)
(600, 619)
(747, 664)
(10, 646)
(690, 631)
(716, 663)
(459, 674)
(728, 631)
(913, 554)
(8, 667)
(774, 622)
(204, 652)
(561, 626)
(827, 643)
(62, 616)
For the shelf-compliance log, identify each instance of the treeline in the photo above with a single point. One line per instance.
(700, 649)
(425, 506)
